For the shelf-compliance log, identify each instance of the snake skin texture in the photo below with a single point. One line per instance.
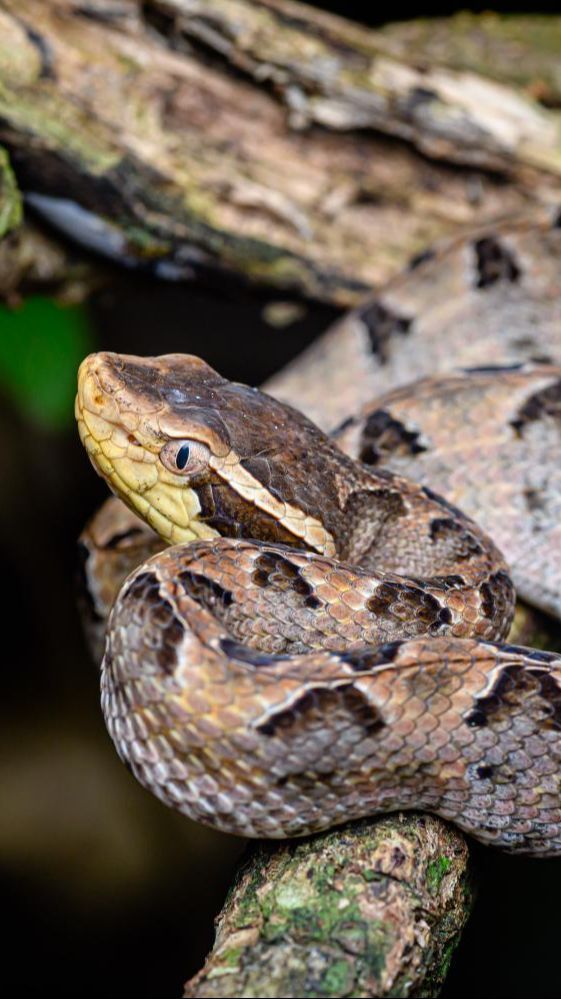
(505, 423)
(492, 298)
(323, 639)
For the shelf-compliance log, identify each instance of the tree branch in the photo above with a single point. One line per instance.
(373, 909)
(259, 138)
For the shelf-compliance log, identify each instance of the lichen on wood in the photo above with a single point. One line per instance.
(259, 138)
(343, 76)
(372, 909)
(520, 50)
(10, 199)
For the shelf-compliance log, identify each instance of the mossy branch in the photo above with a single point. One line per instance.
(373, 909)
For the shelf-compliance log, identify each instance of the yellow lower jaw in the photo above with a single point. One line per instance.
(171, 510)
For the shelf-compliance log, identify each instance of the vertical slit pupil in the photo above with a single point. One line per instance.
(182, 456)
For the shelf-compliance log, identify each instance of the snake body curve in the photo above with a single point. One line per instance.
(491, 297)
(323, 640)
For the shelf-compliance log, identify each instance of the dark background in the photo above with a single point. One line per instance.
(105, 891)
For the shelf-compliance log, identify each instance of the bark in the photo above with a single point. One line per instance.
(32, 259)
(520, 51)
(10, 199)
(268, 139)
(373, 909)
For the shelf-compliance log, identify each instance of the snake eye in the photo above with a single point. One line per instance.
(182, 456)
(185, 457)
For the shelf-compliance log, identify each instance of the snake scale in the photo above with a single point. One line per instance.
(315, 637)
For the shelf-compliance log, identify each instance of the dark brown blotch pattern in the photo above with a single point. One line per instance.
(383, 435)
(275, 569)
(497, 595)
(205, 590)
(494, 263)
(545, 403)
(409, 603)
(317, 702)
(159, 616)
(448, 531)
(362, 660)
(382, 324)
(510, 694)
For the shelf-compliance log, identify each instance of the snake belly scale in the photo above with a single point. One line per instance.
(323, 640)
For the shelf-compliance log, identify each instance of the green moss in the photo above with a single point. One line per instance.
(436, 871)
(378, 939)
(143, 242)
(519, 49)
(441, 972)
(231, 957)
(61, 127)
(370, 875)
(338, 979)
(247, 907)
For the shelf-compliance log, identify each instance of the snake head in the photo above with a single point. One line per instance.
(196, 455)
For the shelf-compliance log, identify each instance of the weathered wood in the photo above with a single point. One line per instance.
(260, 138)
(519, 50)
(374, 909)
(10, 199)
(31, 259)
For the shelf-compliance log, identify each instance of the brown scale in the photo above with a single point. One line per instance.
(479, 299)
(491, 441)
(273, 691)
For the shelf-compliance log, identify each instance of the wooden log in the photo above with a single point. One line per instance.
(269, 139)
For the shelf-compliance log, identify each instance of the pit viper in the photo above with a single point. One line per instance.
(311, 636)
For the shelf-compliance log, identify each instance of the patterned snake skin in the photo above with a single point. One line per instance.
(491, 298)
(347, 662)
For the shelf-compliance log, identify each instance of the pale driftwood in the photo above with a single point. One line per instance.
(261, 137)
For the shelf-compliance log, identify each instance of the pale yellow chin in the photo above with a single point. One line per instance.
(137, 476)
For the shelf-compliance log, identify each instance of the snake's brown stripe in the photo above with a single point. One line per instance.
(273, 691)
(492, 297)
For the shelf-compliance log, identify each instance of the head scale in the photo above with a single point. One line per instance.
(196, 455)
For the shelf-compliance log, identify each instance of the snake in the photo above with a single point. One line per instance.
(491, 297)
(314, 636)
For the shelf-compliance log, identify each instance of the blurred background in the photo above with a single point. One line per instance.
(107, 892)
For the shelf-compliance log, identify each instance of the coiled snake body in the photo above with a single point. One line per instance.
(324, 639)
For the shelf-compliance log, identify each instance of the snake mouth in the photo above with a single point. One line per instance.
(125, 452)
